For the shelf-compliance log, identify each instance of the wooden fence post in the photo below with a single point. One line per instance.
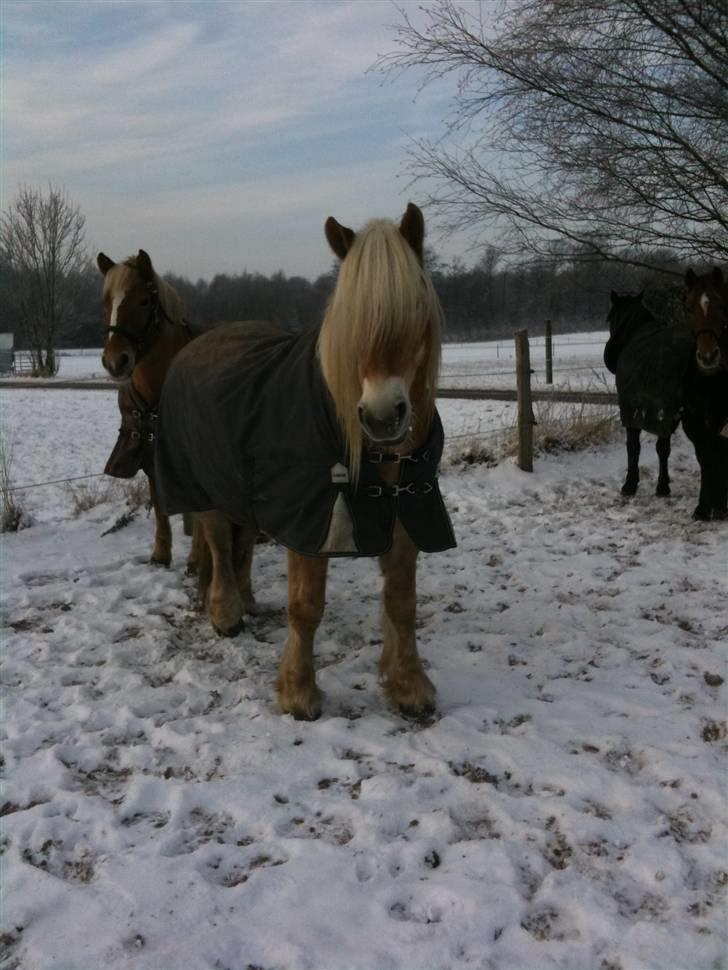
(525, 409)
(549, 355)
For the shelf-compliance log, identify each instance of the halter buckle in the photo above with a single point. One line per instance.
(409, 489)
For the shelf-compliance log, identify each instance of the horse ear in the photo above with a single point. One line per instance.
(690, 278)
(338, 237)
(412, 228)
(716, 276)
(104, 263)
(144, 266)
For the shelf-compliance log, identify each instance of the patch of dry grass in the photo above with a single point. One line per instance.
(558, 427)
(134, 492)
(13, 513)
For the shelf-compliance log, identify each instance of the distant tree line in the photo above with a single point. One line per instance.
(482, 301)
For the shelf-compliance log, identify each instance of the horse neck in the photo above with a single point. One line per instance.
(150, 372)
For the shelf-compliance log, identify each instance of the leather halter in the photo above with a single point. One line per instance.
(143, 340)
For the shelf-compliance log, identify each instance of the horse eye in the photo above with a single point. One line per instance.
(145, 301)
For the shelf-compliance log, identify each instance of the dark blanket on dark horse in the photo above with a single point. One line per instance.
(650, 356)
(246, 420)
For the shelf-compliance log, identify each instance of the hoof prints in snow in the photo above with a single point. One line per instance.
(562, 808)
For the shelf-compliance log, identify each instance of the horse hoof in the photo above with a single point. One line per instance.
(301, 707)
(629, 490)
(230, 631)
(165, 561)
(662, 491)
(419, 713)
(191, 568)
(701, 514)
(720, 514)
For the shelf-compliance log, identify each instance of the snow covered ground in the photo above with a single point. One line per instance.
(564, 808)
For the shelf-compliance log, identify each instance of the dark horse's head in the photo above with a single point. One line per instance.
(624, 307)
(706, 303)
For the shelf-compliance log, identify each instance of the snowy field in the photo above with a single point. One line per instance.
(565, 807)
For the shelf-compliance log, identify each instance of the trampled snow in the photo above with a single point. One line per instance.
(564, 808)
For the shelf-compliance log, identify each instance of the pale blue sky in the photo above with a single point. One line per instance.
(216, 135)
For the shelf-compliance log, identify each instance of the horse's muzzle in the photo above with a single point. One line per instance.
(119, 366)
(708, 362)
(387, 428)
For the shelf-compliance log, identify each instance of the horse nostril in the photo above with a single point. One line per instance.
(401, 411)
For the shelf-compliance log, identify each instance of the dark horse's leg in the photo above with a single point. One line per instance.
(405, 682)
(706, 457)
(720, 497)
(296, 685)
(162, 551)
(663, 453)
(633, 458)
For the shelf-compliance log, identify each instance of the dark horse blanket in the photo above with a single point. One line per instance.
(649, 351)
(246, 421)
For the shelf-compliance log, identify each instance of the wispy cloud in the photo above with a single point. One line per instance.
(149, 110)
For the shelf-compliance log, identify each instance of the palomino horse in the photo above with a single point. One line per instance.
(328, 441)
(649, 357)
(705, 417)
(144, 330)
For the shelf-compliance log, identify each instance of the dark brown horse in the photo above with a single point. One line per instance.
(328, 441)
(648, 357)
(705, 417)
(144, 330)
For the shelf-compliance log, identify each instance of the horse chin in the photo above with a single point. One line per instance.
(390, 441)
(709, 369)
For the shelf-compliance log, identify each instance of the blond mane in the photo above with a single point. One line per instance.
(123, 276)
(383, 298)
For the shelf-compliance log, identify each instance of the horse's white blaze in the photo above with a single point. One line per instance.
(116, 302)
(705, 303)
(380, 397)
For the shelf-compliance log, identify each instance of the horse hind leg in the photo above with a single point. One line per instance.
(633, 462)
(405, 682)
(663, 479)
(223, 597)
(162, 550)
(298, 693)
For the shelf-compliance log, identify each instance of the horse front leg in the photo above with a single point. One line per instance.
(223, 596)
(633, 462)
(162, 551)
(298, 693)
(243, 545)
(405, 682)
(663, 479)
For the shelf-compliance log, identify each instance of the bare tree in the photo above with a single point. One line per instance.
(43, 247)
(600, 128)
